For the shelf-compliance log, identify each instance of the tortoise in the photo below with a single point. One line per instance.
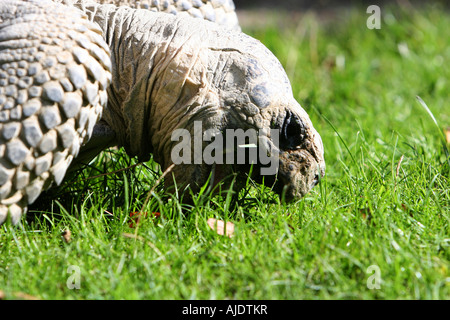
(77, 77)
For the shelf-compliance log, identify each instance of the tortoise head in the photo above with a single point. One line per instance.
(285, 132)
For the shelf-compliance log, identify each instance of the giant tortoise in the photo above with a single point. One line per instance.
(80, 76)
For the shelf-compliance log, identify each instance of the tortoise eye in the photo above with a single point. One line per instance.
(292, 132)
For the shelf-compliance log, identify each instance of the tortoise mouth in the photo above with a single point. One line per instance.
(293, 180)
(290, 191)
(298, 173)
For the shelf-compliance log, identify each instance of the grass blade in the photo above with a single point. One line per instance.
(441, 133)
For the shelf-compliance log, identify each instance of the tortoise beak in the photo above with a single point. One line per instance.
(298, 173)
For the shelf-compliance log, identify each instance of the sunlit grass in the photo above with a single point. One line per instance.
(384, 201)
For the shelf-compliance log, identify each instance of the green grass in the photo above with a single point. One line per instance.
(384, 202)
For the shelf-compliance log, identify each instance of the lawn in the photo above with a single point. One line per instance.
(376, 227)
